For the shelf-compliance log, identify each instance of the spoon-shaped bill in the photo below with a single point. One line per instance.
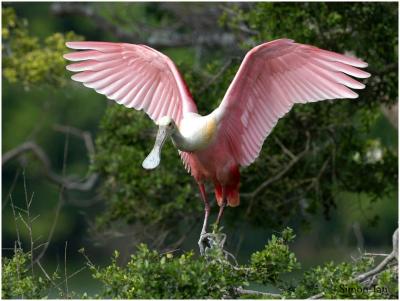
(154, 158)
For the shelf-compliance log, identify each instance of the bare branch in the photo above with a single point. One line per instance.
(65, 270)
(69, 183)
(280, 174)
(363, 278)
(391, 113)
(88, 12)
(380, 267)
(158, 37)
(216, 76)
(243, 291)
(84, 135)
(376, 254)
(10, 191)
(317, 296)
(284, 148)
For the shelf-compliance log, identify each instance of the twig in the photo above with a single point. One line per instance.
(70, 276)
(18, 267)
(60, 202)
(65, 269)
(16, 223)
(28, 224)
(284, 148)
(53, 227)
(14, 182)
(47, 276)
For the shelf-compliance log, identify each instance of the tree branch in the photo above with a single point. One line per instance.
(243, 291)
(317, 296)
(280, 174)
(156, 37)
(216, 76)
(363, 278)
(68, 182)
(380, 267)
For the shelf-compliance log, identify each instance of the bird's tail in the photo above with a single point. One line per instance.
(232, 195)
(231, 190)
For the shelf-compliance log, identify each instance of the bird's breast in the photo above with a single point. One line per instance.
(198, 132)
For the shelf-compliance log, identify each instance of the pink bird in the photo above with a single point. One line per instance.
(271, 79)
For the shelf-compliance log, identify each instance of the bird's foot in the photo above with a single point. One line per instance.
(210, 241)
(204, 243)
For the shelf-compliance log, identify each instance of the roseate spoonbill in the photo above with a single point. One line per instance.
(271, 79)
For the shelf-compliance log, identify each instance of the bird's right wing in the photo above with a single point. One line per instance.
(135, 76)
(271, 79)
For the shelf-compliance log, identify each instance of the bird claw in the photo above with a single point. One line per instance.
(209, 241)
(203, 243)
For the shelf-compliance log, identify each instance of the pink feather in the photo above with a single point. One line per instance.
(116, 70)
(293, 73)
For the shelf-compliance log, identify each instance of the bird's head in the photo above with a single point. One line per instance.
(166, 127)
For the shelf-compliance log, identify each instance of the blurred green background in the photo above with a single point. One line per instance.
(207, 42)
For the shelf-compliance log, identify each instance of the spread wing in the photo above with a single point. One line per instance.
(135, 76)
(271, 79)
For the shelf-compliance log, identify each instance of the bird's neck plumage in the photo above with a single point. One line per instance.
(195, 133)
(179, 141)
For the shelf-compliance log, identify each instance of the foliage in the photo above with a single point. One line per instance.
(149, 274)
(336, 281)
(19, 280)
(275, 259)
(28, 60)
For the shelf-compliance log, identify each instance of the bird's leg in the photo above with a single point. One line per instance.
(203, 242)
(221, 207)
(220, 212)
(206, 208)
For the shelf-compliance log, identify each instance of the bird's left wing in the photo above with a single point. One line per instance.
(271, 79)
(135, 76)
